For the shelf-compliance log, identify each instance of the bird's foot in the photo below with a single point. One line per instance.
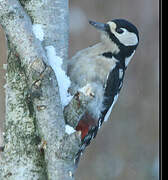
(87, 90)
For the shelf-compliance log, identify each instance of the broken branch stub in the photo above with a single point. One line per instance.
(76, 108)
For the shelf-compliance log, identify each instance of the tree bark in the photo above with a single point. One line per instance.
(34, 113)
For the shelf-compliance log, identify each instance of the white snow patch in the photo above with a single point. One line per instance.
(69, 129)
(109, 111)
(38, 31)
(63, 80)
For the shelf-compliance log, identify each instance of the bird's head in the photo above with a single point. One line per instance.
(119, 32)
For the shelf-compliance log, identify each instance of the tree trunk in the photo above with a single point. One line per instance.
(36, 144)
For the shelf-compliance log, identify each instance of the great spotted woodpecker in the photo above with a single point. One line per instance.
(100, 70)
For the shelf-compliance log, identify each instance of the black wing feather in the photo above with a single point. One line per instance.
(112, 88)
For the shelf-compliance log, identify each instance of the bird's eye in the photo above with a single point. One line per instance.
(120, 31)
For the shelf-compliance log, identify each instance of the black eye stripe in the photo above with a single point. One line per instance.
(120, 31)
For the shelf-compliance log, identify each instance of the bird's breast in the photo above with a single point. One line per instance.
(91, 69)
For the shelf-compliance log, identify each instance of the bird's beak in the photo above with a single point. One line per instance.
(98, 25)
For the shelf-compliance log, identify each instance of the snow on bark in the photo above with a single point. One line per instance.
(63, 80)
(38, 31)
(69, 129)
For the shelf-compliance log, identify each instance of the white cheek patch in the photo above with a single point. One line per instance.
(127, 38)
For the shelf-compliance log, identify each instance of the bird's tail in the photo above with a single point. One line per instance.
(85, 142)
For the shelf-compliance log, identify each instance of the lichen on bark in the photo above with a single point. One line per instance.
(21, 153)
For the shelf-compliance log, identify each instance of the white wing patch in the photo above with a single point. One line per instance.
(109, 111)
(121, 73)
(128, 59)
(120, 85)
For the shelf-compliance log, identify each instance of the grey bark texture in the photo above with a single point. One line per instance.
(36, 144)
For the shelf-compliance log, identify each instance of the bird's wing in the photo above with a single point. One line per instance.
(112, 87)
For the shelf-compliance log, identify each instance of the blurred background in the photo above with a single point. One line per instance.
(126, 147)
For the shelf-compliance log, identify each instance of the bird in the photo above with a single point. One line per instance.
(99, 71)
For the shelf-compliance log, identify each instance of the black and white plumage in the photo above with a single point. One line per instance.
(99, 71)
